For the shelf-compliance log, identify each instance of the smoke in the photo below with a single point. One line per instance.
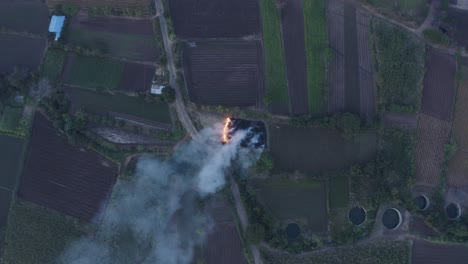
(155, 216)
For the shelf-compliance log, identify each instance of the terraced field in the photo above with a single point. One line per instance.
(224, 73)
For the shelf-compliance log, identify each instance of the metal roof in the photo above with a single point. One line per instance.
(56, 24)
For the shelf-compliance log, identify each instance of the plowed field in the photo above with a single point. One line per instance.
(432, 253)
(224, 73)
(63, 177)
(21, 52)
(433, 134)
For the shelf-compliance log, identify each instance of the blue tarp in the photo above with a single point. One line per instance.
(56, 24)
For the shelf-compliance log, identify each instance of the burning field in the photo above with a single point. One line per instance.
(255, 136)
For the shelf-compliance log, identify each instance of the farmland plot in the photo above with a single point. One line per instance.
(439, 85)
(433, 134)
(292, 22)
(425, 252)
(129, 38)
(63, 177)
(400, 119)
(458, 20)
(21, 52)
(31, 17)
(53, 64)
(215, 19)
(136, 78)
(411, 12)
(301, 201)
(313, 150)
(336, 42)
(351, 60)
(224, 73)
(140, 6)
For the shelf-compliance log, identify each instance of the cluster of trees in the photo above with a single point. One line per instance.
(400, 66)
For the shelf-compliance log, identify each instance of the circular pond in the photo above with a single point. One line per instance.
(391, 219)
(293, 231)
(422, 202)
(357, 215)
(453, 211)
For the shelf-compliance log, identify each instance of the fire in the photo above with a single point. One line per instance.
(226, 130)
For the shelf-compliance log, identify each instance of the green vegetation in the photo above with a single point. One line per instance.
(317, 53)
(265, 163)
(168, 94)
(53, 64)
(435, 36)
(113, 11)
(102, 103)
(348, 124)
(338, 191)
(411, 11)
(400, 66)
(381, 252)
(11, 156)
(37, 235)
(275, 72)
(10, 119)
(95, 72)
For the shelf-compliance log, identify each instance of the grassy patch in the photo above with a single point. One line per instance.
(302, 201)
(10, 119)
(95, 72)
(11, 156)
(338, 191)
(36, 234)
(400, 66)
(53, 64)
(436, 36)
(315, 27)
(101, 103)
(413, 11)
(275, 73)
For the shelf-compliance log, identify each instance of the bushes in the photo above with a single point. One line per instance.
(436, 37)
(400, 66)
(168, 94)
(349, 124)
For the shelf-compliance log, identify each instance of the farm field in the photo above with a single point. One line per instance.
(425, 252)
(301, 201)
(223, 244)
(129, 38)
(315, 27)
(432, 136)
(388, 252)
(74, 181)
(10, 119)
(225, 73)
(438, 94)
(275, 71)
(97, 73)
(458, 21)
(140, 6)
(338, 191)
(412, 12)
(53, 64)
(21, 52)
(292, 22)
(118, 104)
(41, 232)
(215, 19)
(35, 16)
(312, 150)
(11, 158)
(351, 55)
(336, 68)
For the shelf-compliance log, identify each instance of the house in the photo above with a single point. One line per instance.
(56, 25)
(157, 89)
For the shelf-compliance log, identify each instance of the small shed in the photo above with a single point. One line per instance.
(157, 89)
(56, 25)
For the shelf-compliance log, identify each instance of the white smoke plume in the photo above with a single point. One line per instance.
(155, 217)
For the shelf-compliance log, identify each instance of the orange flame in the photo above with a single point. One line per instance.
(226, 130)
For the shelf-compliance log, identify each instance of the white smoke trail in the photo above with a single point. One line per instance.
(154, 217)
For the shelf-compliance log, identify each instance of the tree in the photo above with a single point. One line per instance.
(168, 94)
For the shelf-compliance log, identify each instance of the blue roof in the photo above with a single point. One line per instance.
(56, 24)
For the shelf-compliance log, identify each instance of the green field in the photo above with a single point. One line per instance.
(95, 72)
(400, 67)
(377, 252)
(302, 201)
(10, 119)
(315, 149)
(315, 27)
(103, 103)
(338, 191)
(413, 11)
(37, 235)
(53, 64)
(275, 71)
